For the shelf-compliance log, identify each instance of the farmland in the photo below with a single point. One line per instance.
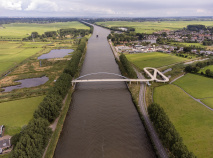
(193, 121)
(16, 114)
(197, 86)
(18, 31)
(150, 27)
(154, 59)
(13, 53)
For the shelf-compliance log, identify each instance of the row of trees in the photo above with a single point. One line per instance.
(207, 42)
(127, 67)
(73, 67)
(167, 132)
(33, 139)
(195, 68)
(196, 27)
(60, 33)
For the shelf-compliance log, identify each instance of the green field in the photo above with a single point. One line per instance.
(188, 44)
(16, 114)
(208, 101)
(21, 30)
(150, 27)
(198, 86)
(12, 54)
(154, 59)
(205, 68)
(193, 121)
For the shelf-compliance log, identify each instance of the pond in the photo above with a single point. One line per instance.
(26, 83)
(56, 53)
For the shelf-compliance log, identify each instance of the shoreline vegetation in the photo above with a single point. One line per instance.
(48, 110)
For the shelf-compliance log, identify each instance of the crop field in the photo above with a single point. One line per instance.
(205, 68)
(150, 27)
(193, 121)
(198, 86)
(34, 44)
(21, 30)
(12, 54)
(154, 59)
(16, 114)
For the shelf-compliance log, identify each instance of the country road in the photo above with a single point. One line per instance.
(142, 104)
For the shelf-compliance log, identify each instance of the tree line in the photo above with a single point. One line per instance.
(33, 139)
(127, 67)
(59, 33)
(195, 68)
(167, 133)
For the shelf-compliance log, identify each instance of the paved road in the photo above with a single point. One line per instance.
(142, 103)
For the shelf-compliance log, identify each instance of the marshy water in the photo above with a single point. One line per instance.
(56, 53)
(27, 83)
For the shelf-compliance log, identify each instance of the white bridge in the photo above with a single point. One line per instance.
(125, 79)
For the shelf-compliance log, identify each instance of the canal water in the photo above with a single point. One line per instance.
(102, 121)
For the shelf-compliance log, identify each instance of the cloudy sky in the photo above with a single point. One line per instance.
(105, 8)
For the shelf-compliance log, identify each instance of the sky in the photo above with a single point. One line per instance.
(105, 8)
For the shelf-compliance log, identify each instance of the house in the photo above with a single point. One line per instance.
(1, 130)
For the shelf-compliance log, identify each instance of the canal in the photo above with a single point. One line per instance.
(102, 121)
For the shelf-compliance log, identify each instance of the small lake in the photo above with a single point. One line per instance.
(26, 83)
(56, 53)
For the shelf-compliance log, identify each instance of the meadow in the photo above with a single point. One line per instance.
(187, 44)
(153, 59)
(16, 114)
(150, 27)
(193, 121)
(197, 86)
(12, 54)
(20, 30)
(205, 68)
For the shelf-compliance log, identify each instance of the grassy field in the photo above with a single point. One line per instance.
(197, 86)
(205, 68)
(21, 30)
(16, 114)
(150, 27)
(154, 59)
(208, 101)
(12, 54)
(193, 121)
(188, 44)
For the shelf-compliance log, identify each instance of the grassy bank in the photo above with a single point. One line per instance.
(193, 121)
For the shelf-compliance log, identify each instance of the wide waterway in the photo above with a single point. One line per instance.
(102, 121)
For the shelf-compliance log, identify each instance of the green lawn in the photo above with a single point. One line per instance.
(198, 86)
(193, 121)
(34, 44)
(16, 114)
(150, 27)
(12, 54)
(205, 68)
(21, 30)
(154, 59)
(208, 101)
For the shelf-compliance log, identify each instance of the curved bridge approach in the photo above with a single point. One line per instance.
(125, 79)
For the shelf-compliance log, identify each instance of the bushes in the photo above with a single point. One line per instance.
(167, 132)
(127, 66)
